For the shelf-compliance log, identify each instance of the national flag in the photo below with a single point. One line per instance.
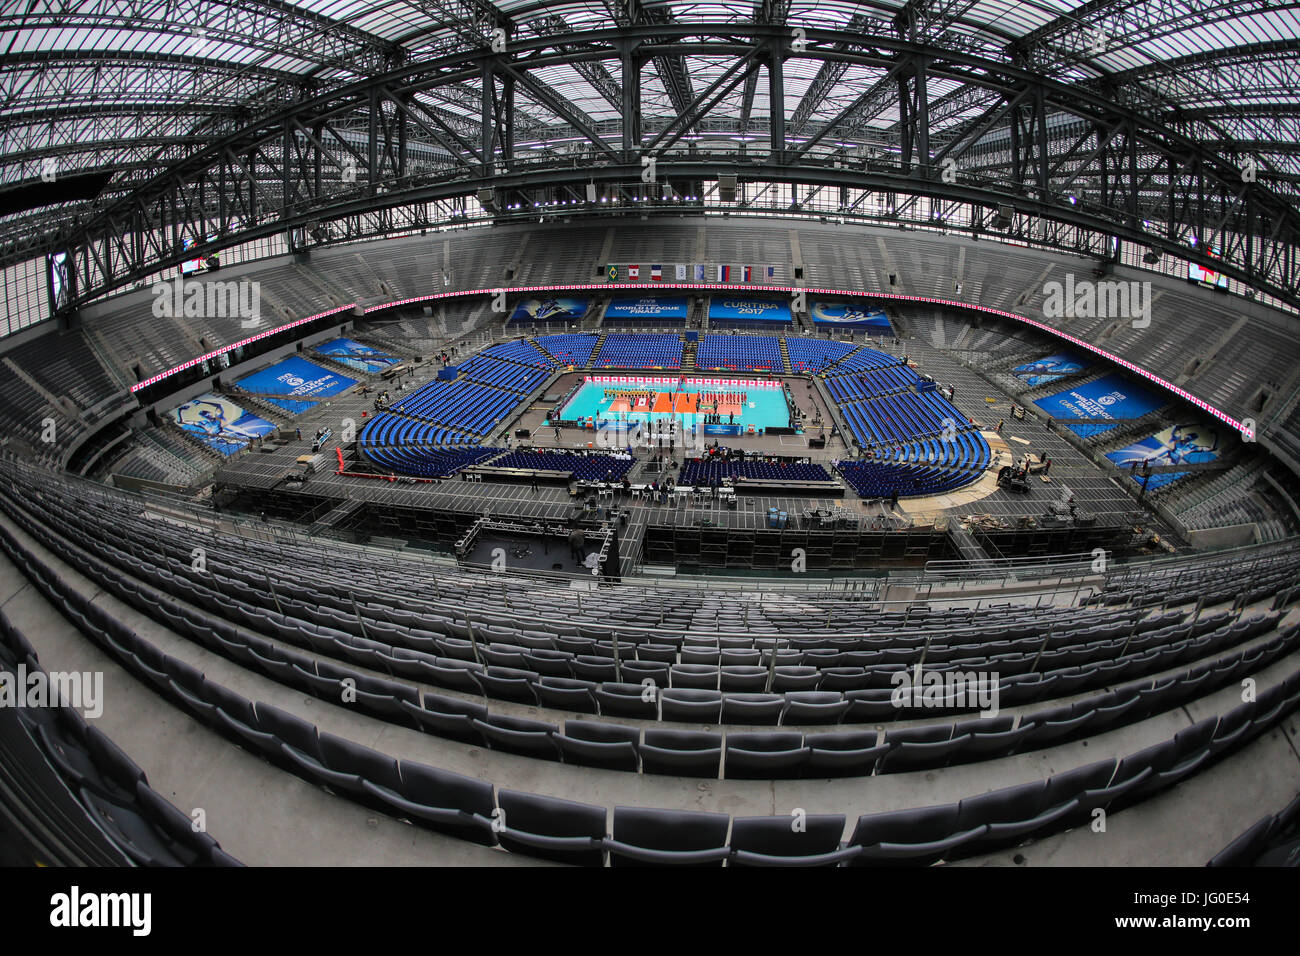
(724, 273)
(699, 272)
(749, 276)
(681, 271)
(612, 272)
(656, 273)
(634, 272)
(771, 272)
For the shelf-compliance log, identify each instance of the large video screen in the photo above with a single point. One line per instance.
(57, 264)
(1207, 277)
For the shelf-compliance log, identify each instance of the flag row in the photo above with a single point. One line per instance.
(689, 272)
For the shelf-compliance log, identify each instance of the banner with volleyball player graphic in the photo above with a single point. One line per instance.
(1176, 445)
(549, 310)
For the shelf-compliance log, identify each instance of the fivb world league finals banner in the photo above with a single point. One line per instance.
(666, 307)
(1109, 398)
(296, 378)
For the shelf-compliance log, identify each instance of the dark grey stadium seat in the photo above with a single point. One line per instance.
(813, 707)
(813, 840)
(644, 837)
(348, 757)
(449, 802)
(844, 753)
(1246, 848)
(608, 746)
(550, 828)
(763, 756)
(548, 663)
(1012, 815)
(742, 678)
(561, 693)
(788, 678)
(635, 672)
(752, 708)
(518, 735)
(447, 717)
(593, 668)
(456, 675)
(691, 705)
(917, 837)
(507, 683)
(628, 700)
(697, 676)
(683, 753)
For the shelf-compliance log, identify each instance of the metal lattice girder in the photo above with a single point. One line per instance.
(671, 67)
(830, 73)
(273, 27)
(1132, 176)
(1082, 36)
(595, 73)
(1261, 71)
(70, 79)
(472, 20)
(927, 20)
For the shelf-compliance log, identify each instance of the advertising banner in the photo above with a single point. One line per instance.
(355, 355)
(749, 310)
(549, 310)
(1049, 369)
(220, 423)
(296, 378)
(874, 321)
(657, 307)
(1175, 445)
(1108, 399)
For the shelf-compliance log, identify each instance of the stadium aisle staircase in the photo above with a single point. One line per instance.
(830, 369)
(600, 344)
(785, 358)
(688, 356)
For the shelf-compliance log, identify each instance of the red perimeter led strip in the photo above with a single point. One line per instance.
(234, 345)
(1247, 433)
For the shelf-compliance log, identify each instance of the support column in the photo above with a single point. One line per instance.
(776, 102)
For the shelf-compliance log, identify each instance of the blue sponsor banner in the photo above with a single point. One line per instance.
(658, 307)
(1108, 399)
(1175, 445)
(549, 310)
(1049, 369)
(292, 405)
(722, 429)
(220, 423)
(355, 355)
(296, 378)
(749, 310)
(859, 317)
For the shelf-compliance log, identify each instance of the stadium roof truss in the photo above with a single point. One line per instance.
(1169, 123)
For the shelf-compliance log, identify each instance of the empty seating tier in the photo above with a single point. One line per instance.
(648, 351)
(739, 353)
